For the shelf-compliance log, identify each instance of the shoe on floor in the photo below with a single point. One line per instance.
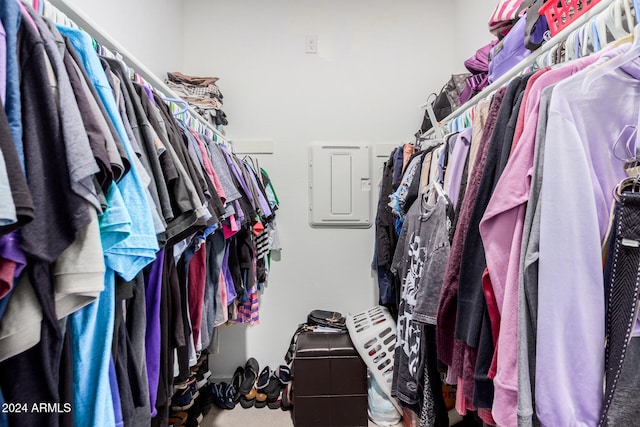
(251, 369)
(261, 399)
(177, 419)
(223, 395)
(273, 390)
(283, 374)
(263, 379)
(249, 399)
(206, 400)
(193, 385)
(182, 398)
(236, 382)
(194, 416)
(287, 403)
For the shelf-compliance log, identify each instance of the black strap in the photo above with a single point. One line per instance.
(624, 288)
(294, 340)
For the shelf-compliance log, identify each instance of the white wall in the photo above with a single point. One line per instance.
(151, 30)
(471, 22)
(376, 63)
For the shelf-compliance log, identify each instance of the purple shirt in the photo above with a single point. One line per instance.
(228, 279)
(3, 64)
(458, 152)
(152, 295)
(266, 209)
(580, 174)
(501, 229)
(10, 249)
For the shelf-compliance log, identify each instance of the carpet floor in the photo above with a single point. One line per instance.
(252, 417)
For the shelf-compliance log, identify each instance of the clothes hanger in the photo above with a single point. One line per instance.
(591, 42)
(629, 16)
(617, 62)
(600, 22)
(614, 20)
(583, 36)
(549, 58)
(628, 133)
(630, 184)
(431, 194)
(176, 101)
(574, 45)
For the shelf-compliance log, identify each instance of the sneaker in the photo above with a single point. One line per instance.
(193, 385)
(202, 378)
(182, 398)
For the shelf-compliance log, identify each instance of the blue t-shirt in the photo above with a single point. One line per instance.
(92, 328)
(10, 18)
(130, 256)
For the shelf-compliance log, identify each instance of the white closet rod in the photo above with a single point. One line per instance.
(519, 68)
(101, 36)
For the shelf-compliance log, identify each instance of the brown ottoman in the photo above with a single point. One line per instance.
(329, 382)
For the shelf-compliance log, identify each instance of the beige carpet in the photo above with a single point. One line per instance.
(252, 417)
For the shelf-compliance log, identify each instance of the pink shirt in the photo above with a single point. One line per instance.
(501, 230)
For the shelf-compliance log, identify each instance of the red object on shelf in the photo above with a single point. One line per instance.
(561, 13)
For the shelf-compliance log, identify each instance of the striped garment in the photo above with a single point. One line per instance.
(262, 243)
(503, 17)
(248, 312)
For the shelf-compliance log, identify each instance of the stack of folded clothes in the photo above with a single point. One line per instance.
(202, 93)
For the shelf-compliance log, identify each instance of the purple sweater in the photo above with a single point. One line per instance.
(580, 174)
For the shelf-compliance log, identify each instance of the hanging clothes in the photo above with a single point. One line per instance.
(112, 233)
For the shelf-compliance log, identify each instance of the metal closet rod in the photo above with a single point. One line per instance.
(520, 67)
(101, 36)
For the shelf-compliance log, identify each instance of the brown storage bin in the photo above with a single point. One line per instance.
(329, 382)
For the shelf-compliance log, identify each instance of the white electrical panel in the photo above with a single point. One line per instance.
(339, 186)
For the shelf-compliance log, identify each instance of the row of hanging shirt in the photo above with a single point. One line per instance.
(530, 325)
(118, 225)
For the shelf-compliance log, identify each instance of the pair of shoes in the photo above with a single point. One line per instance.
(202, 376)
(223, 394)
(201, 370)
(247, 388)
(271, 383)
(183, 396)
(261, 387)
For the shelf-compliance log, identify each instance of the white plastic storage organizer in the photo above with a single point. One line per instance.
(373, 333)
